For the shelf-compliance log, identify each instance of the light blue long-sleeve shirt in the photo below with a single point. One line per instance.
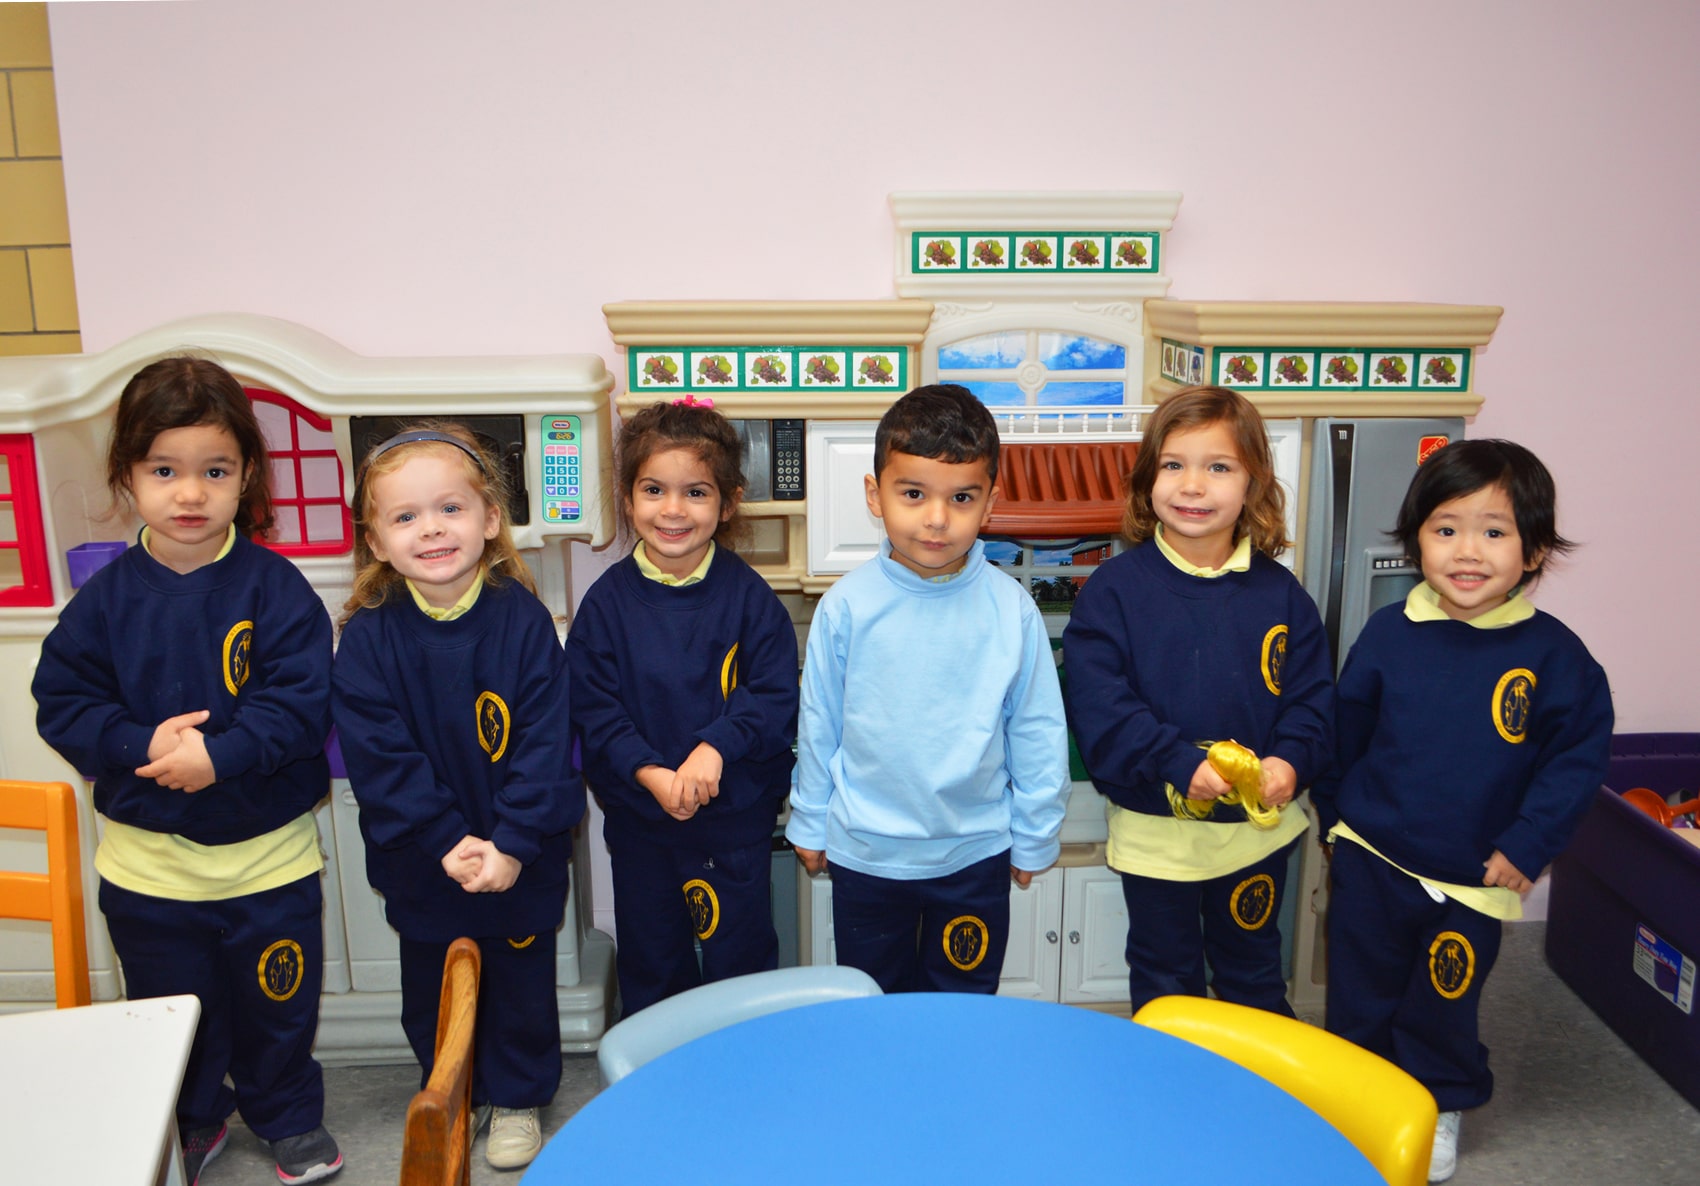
(931, 733)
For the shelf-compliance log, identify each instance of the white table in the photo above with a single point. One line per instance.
(90, 1094)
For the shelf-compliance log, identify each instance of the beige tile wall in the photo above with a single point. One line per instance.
(38, 297)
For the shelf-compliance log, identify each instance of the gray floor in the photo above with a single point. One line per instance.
(1573, 1104)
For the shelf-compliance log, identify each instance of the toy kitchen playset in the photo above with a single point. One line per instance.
(1050, 306)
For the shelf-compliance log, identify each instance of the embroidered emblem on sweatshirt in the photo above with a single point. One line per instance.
(236, 644)
(492, 714)
(1253, 901)
(1274, 657)
(1451, 964)
(965, 941)
(729, 673)
(281, 967)
(704, 905)
(1513, 703)
(522, 944)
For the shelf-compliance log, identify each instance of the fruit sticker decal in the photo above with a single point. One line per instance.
(1440, 370)
(1341, 371)
(1240, 369)
(1391, 370)
(1131, 253)
(1083, 253)
(1292, 370)
(658, 370)
(939, 253)
(875, 370)
(988, 253)
(1035, 253)
(823, 370)
(714, 368)
(768, 370)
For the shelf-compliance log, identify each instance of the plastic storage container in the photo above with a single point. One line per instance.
(85, 560)
(1622, 928)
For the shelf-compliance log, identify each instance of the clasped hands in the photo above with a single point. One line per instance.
(177, 754)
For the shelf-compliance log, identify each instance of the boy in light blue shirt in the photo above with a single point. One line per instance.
(932, 760)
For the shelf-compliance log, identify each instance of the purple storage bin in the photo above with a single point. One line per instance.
(87, 559)
(1622, 931)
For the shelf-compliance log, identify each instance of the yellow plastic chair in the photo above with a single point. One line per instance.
(436, 1143)
(54, 897)
(1384, 1112)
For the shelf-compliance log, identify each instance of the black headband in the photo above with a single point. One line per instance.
(416, 436)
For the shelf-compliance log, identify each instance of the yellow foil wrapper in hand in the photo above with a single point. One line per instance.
(1240, 767)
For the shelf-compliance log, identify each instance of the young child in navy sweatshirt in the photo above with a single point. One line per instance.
(1473, 731)
(450, 696)
(190, 678)
(1194, 636)
(685, 696)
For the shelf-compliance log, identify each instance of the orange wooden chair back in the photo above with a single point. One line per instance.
(54, 897)
(437, 1144)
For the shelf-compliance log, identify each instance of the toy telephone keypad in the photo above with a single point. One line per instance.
(563, 470)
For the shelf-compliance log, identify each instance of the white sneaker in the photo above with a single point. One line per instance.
(515, 1138)
(1443, 1162)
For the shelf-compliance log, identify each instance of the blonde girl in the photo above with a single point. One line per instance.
(450, 700)
(1197, 635)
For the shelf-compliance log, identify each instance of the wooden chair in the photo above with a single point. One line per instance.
(437, 1143)
(54, 897)
(1387, 1114)
(709, 1007)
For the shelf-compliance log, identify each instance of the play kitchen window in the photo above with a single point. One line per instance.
(1037, 368)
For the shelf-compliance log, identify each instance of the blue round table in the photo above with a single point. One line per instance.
(933, 1088)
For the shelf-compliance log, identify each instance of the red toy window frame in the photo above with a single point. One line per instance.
(36, 587)
(294, 454)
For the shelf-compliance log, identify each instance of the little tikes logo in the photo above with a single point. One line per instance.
(235, 658)
(1428, 446)
(1513, 701)
(492, 714)
(1274, 657)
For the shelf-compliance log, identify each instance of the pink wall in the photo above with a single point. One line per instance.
(434, 177)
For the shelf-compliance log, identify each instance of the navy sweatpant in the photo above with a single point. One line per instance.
(1405, 975)
(1174, 927)
(936, 934)
(667, 900)
(257, 964)
(516, 1058)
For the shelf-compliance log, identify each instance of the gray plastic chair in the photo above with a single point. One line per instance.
(676, 1020)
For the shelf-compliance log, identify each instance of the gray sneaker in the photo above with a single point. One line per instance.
(200, 1146)
(515, 1138)
(307, 1157)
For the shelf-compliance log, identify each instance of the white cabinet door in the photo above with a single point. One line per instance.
(842, 534)
(1030, 966)
(1286, 443)
(1094, 948)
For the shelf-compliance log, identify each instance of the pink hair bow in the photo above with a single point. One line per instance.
(690, 401)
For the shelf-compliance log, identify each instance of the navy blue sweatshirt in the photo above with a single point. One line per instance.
(454, 729)
(1455, 741)
(659, 668)
(245, 638)
(1158, 661)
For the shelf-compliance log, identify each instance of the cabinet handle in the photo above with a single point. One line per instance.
(1050, 936)
(1074, 936)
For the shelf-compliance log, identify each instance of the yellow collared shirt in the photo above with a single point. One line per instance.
(1422, 604)
(1495, 901)
(229, 542)
(466, 602)
(647, 567)
(1239, 560)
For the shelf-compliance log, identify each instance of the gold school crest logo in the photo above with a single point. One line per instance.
(1253, 901)
(1451, 964)
(704, 905)
(281, 966)
(965, 941)
(235, 657)
(1512, 704)
(492, 714)
(1274, 657)
(729, 673)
